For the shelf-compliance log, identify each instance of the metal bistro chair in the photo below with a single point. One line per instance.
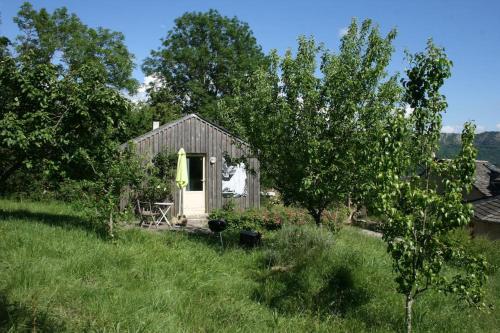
(147, 213)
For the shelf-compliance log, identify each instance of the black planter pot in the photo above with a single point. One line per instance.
(250, 238)
(217, 225)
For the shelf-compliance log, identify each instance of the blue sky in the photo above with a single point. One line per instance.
(469, 31)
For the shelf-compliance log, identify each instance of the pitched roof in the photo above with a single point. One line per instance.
(175, 122)
(487, 209)
(485, 173)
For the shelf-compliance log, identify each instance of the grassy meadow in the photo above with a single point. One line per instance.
(56, 275)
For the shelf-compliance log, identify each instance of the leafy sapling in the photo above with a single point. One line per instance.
(421, 197)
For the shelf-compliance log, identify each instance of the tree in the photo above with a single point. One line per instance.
(123, 169)
(140, 117)
(201, 61)
(59, 104)
(55, 124)
(62, 39)
(420, 197)
(311, 134)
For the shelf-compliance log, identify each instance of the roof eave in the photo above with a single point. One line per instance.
(186, 117)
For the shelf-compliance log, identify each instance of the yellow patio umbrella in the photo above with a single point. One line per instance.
(181, 178)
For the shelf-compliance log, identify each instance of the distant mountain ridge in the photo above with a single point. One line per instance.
(487, 144)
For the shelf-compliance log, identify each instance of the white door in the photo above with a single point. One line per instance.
(194, 193)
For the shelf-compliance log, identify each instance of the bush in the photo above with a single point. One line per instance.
(334, 217)
(262, 219)
(295, 246)
(72, 191)
(274, 217)
(158, 178)
(298, 263)
(29, 184)
(98, 199)
(304, 271)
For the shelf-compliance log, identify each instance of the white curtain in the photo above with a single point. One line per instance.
(234, 179)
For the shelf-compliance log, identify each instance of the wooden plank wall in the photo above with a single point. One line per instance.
(197, 136)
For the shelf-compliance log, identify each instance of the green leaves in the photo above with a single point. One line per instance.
(63, 119)
(60, 38)
(313, 135)
(421, 197)
(205, 59)
(60, 109)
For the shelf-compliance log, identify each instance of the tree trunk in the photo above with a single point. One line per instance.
(353, 210)
(110, 225)
(409, 303)
(8, 172)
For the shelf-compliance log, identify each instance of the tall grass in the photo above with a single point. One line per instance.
(58, 276)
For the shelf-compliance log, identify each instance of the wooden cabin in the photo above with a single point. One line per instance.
(206, 145)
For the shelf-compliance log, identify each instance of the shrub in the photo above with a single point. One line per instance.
(299, 262)
(296, 246)
(334, 217)
(165, 164)
(154, 189)
(304, 271)
(71, 190)
(229, 205)
(158, 178)
(99, 198)
(262, 219)
(274, 217)
(29, 184)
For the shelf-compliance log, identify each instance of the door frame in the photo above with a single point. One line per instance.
(203, 181)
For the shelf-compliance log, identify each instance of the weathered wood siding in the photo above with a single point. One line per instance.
(198, 136)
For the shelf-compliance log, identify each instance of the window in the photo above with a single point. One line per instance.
(195, 173)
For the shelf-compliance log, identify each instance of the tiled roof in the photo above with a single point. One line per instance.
(487, 209)
(485, 174)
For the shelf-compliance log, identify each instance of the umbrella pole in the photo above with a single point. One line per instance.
(180, 204)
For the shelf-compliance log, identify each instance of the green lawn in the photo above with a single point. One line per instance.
(57, 276)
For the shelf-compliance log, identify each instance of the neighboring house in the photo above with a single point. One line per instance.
(211, 181)
(485, 198)
(486, 182)
(486, 220)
